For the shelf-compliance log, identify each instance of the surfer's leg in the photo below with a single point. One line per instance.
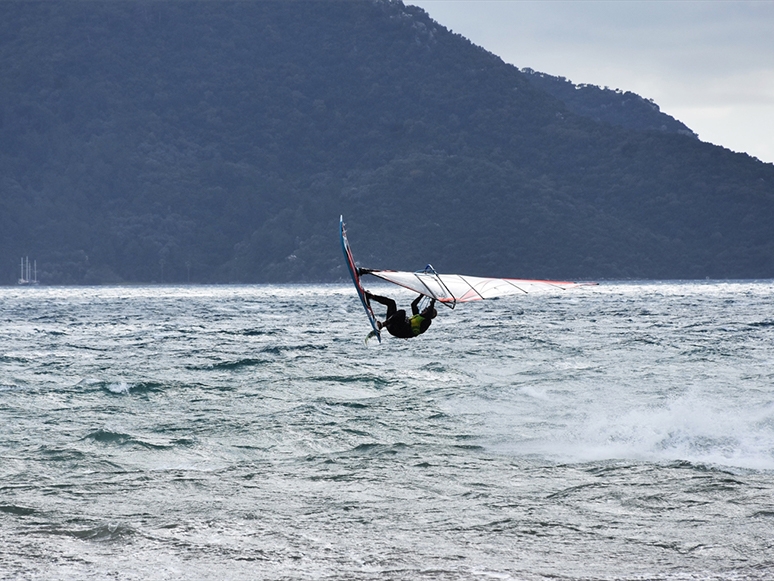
(387, 302)
(392, 308)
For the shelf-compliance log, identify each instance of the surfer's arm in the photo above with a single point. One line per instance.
(415, 305)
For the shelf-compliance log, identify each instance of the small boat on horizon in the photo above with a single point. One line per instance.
(28, 276)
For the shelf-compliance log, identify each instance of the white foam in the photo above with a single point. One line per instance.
(120, 387)
(692, 428)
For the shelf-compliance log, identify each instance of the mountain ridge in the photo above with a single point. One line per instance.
(613, 106)
(219, 142)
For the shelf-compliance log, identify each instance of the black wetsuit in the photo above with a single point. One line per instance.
(398, 324)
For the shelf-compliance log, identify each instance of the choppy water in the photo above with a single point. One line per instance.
(624, 431)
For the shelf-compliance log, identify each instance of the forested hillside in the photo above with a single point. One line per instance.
(175, 141)
(614, 106)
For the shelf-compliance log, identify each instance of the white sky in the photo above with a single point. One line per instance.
(708, 63)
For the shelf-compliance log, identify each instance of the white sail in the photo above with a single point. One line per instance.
(451, 289)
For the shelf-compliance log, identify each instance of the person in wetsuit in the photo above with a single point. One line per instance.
(400, 325)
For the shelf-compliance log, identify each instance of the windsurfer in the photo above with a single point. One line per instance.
(398, 323)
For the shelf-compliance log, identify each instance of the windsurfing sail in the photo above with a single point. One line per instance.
(451, 289)
(353, 272)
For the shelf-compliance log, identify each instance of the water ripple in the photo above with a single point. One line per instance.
(622, 432)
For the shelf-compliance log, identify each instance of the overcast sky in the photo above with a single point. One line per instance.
(708, 63)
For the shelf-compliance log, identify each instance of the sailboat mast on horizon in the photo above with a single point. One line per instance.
(28, 276)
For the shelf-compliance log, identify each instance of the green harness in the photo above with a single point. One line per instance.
(416, 324)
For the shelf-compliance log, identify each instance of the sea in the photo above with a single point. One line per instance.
(615, 432)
